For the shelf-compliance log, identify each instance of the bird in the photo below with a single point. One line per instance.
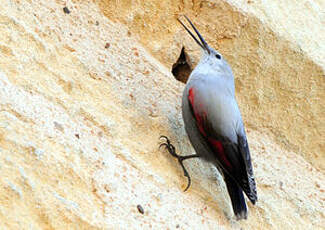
(214, 125)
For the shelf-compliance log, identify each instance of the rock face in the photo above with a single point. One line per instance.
(86, 91)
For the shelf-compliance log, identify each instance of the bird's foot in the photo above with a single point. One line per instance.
(172, 151)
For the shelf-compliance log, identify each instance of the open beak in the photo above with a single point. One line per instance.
(203, 43)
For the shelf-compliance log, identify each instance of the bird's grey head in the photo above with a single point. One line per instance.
(210, 55)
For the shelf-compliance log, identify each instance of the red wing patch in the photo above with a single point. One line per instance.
(201, 121)
(191, 96)
(217, 146)
(200, 117)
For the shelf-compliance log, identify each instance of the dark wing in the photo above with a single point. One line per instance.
(244, 151)
(233, 158)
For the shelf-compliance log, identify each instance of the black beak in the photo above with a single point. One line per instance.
(203, 43)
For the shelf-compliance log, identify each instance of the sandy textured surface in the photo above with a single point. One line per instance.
(85, 96)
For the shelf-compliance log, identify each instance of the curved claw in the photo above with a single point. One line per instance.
(163, 144)
(163, 136)
(169, 146)
(180, 160)
(188, 183)
(188, 177)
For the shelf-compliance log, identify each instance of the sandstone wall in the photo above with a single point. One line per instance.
(85, 96)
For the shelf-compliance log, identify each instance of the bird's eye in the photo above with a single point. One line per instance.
(218, 56)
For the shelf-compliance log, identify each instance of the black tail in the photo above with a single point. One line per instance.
(237, 198)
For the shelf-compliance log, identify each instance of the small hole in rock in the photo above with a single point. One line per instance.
(181, 68)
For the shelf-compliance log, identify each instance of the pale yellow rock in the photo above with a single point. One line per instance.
(80, 123)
